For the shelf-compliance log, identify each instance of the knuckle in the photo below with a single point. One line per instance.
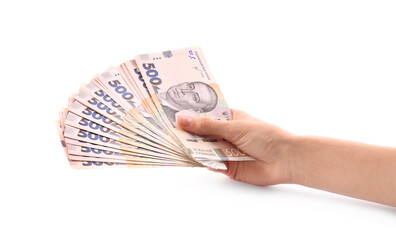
(232, 130)
(236, 130)
(204, 123)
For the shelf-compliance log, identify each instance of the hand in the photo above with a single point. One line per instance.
(262, 141)
(349, 168)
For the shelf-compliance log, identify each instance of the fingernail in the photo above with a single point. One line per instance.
(185, 121)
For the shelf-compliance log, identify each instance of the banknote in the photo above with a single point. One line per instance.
(99, 151)
(114, 96)
(119, 89)
(147, 105)
(93, 138)
(118, 157)
(126, 137)
(126, 116)
(180, 82)
(105, 109)
(81, 164)
(100, 162)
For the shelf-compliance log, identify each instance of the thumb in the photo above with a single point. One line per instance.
(204, 126)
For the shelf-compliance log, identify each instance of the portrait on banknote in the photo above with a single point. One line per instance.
(196, 96)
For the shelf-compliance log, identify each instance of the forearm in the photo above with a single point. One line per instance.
(348, 168)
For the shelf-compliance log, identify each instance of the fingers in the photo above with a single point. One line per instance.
(204, 126)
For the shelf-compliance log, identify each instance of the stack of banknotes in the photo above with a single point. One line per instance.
(127, 116)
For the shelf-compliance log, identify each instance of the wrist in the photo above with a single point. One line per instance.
(293, 147)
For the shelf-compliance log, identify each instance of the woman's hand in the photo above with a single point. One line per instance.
(349, 168)
(266, 143)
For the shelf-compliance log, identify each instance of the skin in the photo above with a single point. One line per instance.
(194, 96)
(349, 168)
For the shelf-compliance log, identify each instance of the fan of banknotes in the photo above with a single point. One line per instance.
(127, 116)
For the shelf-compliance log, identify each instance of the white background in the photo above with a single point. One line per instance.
(312, 67)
